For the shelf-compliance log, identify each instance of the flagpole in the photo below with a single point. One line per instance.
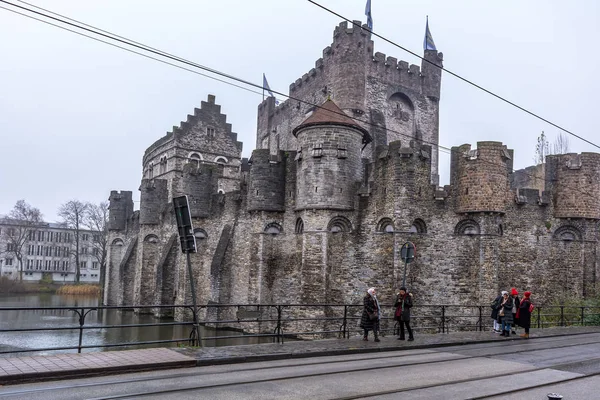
(263, 87)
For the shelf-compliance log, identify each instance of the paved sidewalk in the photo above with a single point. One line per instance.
(61, 366)
(328, 347)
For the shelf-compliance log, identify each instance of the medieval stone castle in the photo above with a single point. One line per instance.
(315, 214)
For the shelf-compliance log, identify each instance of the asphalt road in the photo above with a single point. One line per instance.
(513, 369)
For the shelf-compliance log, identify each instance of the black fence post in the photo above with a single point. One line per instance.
(538, 317)
(562, 315)
(81, 322)
(582, 316)
(345, 324)
(480, 319)
(443, 319)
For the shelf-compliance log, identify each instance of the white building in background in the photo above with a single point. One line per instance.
(49, 253)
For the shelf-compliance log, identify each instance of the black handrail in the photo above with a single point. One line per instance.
(289, 314)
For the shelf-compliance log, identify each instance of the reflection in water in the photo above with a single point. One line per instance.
(11, 341)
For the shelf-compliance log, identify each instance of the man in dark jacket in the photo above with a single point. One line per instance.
(515, 296)
(402, 314)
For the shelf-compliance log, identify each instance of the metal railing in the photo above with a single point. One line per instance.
(293, 321)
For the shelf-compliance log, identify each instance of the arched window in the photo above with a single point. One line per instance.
(221, 160)
(151, 171)
(195, 158)
(568, 233)
(151, 239)
(299, 226)
(200, 234)
(117, 242)
(339, 224)
(273, 228)
(163, 164)
(385, 225)
(418, 226)
(467, 227)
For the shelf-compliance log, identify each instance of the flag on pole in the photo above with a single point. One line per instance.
(428, 43)
(368, 14)
(266, 86)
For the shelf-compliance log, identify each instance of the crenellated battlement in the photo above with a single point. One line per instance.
(479, 177)
(120, 209)
(574, 181)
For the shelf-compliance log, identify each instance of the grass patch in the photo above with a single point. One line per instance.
(79, 289)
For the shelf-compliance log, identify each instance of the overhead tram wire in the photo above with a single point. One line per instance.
(459, 77)
(162, 53)
(131, 51)
(130, 42)
(168, 55)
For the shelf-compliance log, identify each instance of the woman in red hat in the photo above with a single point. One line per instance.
(524, 313)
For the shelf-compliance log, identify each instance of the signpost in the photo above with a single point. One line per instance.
(188, 245)
(407, 253)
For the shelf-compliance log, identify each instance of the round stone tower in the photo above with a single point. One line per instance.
(329, 161)
(480, 177)
(574, 181)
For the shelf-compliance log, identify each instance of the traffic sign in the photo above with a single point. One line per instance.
(184, 224)
(408, 252)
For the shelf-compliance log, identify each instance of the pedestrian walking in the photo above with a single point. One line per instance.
(524, 313)
(402, 314)
(495, 309)
(369, 320)
(506, 314)
(515, 296)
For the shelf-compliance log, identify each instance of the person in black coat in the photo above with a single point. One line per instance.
(525, 314)
(515, 297)
(495, 309)
(402, 314)
(506, 313)
(369, 320)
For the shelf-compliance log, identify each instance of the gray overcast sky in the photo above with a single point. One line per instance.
(76, 115)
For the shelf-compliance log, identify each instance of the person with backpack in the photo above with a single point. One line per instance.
(495, 309)
(524, 314)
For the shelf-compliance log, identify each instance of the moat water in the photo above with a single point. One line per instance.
(15, 341)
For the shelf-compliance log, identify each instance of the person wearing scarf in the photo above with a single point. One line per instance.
(402, 314)
(371, 314)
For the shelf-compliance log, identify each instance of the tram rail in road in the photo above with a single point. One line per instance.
(458, 372)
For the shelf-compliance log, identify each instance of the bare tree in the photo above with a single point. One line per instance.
(96, 219)
(74, 213)
(22, 222)
(561, 144)
(542, 149)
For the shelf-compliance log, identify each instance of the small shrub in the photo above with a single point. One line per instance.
(79, 290)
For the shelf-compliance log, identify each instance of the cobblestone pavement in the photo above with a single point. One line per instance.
(61, 366)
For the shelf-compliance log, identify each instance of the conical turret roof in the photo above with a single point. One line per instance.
(330, 114)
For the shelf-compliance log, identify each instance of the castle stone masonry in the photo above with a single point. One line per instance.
(315, 214)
